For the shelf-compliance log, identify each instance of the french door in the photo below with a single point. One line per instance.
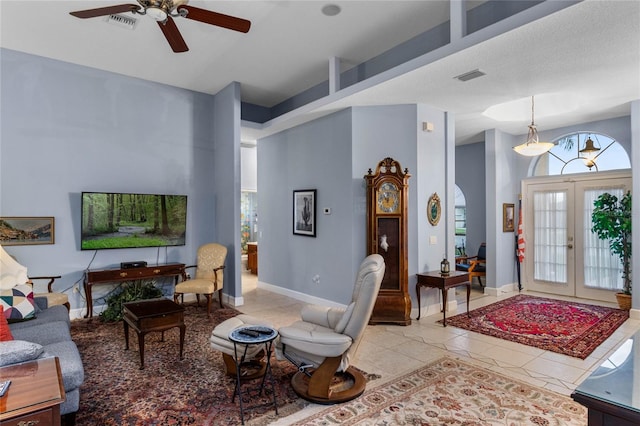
(562, 255)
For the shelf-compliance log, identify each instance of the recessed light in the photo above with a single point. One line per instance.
(331, 9)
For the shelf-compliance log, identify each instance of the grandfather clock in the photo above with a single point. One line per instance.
(387, 235)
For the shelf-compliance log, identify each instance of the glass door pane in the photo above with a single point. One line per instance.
(550, 236)
(598, 271)
(562, 255)
(549, 241)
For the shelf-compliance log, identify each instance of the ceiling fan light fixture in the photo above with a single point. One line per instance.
(533, 147)
(157, 13)
(162, 11)
(177, 3)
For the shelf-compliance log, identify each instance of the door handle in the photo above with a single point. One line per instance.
(570, 246)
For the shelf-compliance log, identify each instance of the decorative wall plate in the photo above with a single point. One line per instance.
(433, 209)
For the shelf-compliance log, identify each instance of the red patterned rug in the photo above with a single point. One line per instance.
(194, 391)
(569, 328)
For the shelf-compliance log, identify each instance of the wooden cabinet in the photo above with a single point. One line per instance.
(252, 257)
(387, 236)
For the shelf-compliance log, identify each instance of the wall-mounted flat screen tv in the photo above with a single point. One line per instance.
(113, 220)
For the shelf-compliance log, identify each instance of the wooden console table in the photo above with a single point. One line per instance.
(103, 276)
(35, 393)
(434, 279)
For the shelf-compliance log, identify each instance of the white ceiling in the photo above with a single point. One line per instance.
(587, 55)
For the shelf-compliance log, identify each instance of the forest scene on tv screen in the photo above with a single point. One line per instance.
(114, 220)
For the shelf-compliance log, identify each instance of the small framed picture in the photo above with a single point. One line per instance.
(22, 231)
(508, 217)
(304, 212)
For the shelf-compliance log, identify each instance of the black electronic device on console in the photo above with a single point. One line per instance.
(137, 264)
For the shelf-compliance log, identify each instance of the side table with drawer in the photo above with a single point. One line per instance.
(35, 393)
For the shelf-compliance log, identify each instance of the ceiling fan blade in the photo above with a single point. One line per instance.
(102, 11)
(218, 19)
(173, 36)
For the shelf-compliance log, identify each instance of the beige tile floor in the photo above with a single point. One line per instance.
(395, 350)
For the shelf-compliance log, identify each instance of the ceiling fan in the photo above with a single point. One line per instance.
(163, 11)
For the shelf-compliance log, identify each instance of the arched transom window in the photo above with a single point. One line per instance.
(582, 152)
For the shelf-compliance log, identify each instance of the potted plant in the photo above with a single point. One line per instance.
(129, 291)
(611, 220)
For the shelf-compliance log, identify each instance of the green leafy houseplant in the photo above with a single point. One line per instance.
(134, 290)
(611, 220)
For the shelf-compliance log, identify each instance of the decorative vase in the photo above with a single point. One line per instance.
(624, 301)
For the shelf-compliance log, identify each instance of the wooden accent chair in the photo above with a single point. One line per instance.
(209, 276)
(475, 265)
(52, 297)
(327, 338)
(13, 273)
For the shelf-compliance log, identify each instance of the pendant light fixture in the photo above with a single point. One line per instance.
(533, 147)
(589, 153)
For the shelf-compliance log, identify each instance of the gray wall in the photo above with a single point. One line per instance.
(316, 155)
(333, 154)
(67, 129)
(226, 183)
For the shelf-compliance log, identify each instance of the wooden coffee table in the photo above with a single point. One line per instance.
(35, 393)
(147, 316)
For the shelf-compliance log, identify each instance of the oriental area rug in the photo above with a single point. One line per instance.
(569, 328)
(194, 391)
(452, 392)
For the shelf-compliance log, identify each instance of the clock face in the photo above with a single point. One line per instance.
(388, 198)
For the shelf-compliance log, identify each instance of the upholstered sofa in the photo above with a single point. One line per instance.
(48, 335)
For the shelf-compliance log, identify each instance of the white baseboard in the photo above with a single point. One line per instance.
(505, 289)
(77, 313)
(434, 309)
(232, 301)
(300, 296)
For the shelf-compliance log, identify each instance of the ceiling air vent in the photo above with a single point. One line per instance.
(122, 21)
(470, 75)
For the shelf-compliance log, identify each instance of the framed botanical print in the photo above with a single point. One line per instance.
(304, 212)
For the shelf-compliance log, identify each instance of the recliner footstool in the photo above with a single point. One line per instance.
(219, 340)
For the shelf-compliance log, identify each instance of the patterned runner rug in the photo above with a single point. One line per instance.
(569, 328)
(452, 392)
(194, 391)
